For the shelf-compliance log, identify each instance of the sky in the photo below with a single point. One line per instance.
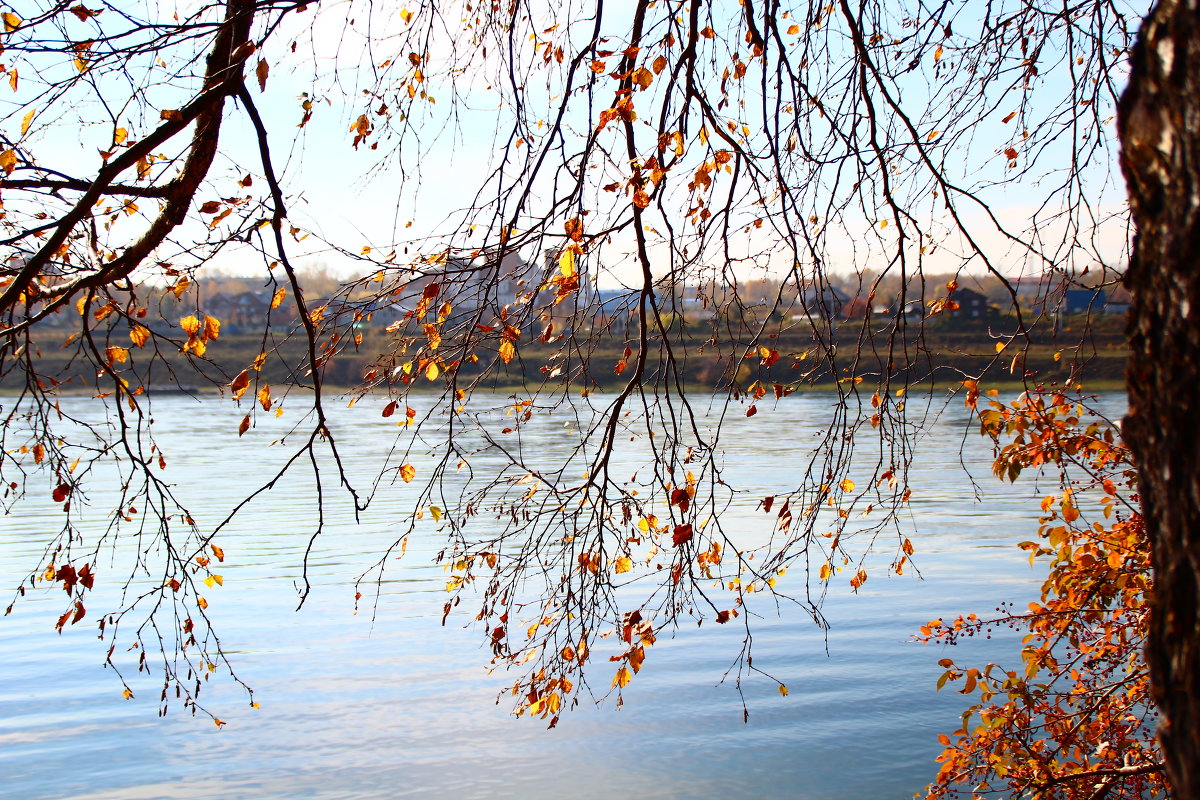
(411, 196)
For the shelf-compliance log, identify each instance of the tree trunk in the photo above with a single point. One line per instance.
(1160, 134)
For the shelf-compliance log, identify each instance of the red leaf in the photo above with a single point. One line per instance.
(683, 534)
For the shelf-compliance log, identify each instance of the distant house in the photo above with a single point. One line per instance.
(235, 310)
(856, 308)
(614, 304)
(970, 303)
(1083, 301)
(825, 302)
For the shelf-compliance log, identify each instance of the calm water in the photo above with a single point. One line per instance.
(403, 707)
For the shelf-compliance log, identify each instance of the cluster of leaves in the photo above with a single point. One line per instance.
(1075, 720)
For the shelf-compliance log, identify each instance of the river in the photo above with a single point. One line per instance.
(396, 705)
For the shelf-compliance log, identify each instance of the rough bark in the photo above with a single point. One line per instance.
(1160, 134)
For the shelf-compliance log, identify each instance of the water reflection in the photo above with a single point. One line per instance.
(392, 704)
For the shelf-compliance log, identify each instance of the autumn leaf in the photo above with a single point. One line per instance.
(277, 298)
(261, 72)
(566, 263)
(264, 397)
(39, 453)
(432, 371)
(622, 565)
(27, 120)
(244, 425)
(239, 384)
(622, 678)
(847, 485)
(189, 325)
(408, 472)
(507, 351)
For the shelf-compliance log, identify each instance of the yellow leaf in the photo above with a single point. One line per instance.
(408, 472)
(120, 135)
(937, 54)
(405, 15)
(883, 224)
(623, 564)
(219, 553)
(39, 453)
(1000, 346)
(11, 22)
(190, 325)
(117, 354)
(128, 693)
(566, 263)
(933, 135)
(27, 120)
(239, 384)
(277, 298)
(622, 678)
(847, 485)
(8, 161)
(432, 371)
(783, 690)
(793, 30)
(436, 512)
(507, 351)
(212, 327)
(264, 397)
(825, 571)
(703, 135)
(139, 335)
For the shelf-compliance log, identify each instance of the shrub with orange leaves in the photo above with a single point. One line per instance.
(1075, 719)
